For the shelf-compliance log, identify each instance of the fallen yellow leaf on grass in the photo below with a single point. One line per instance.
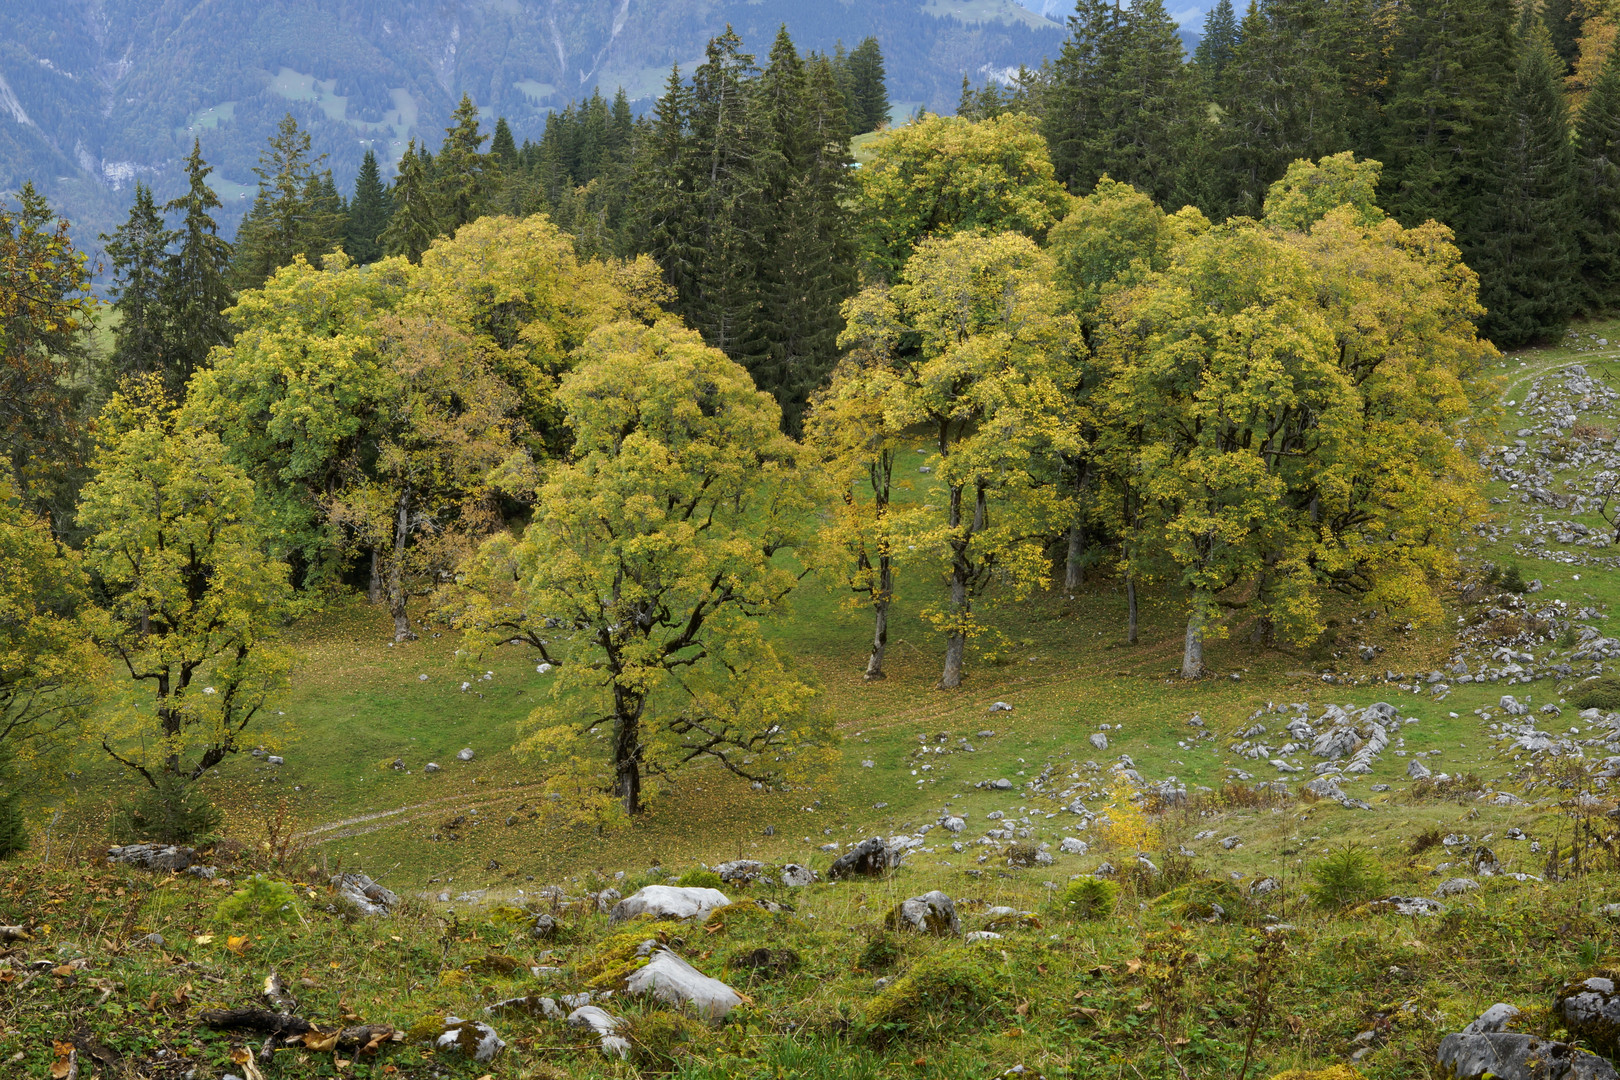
(237, 943)
(203, 939)
(319, 1041)
(66, 1062)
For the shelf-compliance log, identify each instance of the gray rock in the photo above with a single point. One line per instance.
(398, 765)
(668, 902)
(673, 981)
(154, 940)
(795, 876)
(1408, 905)
(598, 1020)
(1265, 885)
(1002, 784)
(869, 858)
(952, 823)
(1071, 845)
(1417, 770)
(275, 759)
(1496, 1018)
(152, 856)
(1590, 1008)
(1232, 842)
(368, 897)
(533, 1005)
(1511, 1056)
(931, 913)
(976, 936)
(1456, 886)
(1099, 740)
(472, 1038)
(543, 927)
(432, 766)
(740, 871)
(465, 754)
(1001, 706)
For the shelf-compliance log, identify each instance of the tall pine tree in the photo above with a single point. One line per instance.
(369, 212)
(1453, 70)
(287, 218)
(198, 280)
(1217, 47)
(139, 252)
(868, 87)
(461, 172)
(1598, 188)
(806, 254)
(1525, 247)
(415, 221)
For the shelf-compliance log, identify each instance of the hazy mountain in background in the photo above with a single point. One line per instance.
(97, 94)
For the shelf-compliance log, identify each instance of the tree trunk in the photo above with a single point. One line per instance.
(396, 582)
(374, 589)
(955, 646)
(1074, 572)
(1192, 657)
(880, 638)
(1130, 602)
(627, 761)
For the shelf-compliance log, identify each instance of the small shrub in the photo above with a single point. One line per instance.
(259, 900)
(1601, 693)
(1088, 899)
(1348, 876)
(950, 990)
(1462, 788)
(1207, 899)
(882, 952)
(699, 879)
(173, 812)
(1512, 579)
(1425, 840)
(659, 1040)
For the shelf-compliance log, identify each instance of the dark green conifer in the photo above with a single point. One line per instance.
(1219, 43)
(198, 279)
(1453, 69)
(283, 222)
(415, 221)
(1598, 188)
(369, 212)
(461, 172)
(868, 87)
(502, 147)
(138, 250)
(1525, 236)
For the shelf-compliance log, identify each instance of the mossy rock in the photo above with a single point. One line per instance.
(425, 1028)
(951, 989)
(1589, 1007)
(614, 958)
(1332, 1072)
(1206, 900)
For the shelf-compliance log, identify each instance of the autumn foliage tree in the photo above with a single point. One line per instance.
(192, 603)
(971, 346)
(653, 552)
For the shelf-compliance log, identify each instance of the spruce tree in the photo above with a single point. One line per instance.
(198, 279)
(461, 172)
(1598, 188)
(1216, 48)
(868, 87)
(806, 255)
(1081, 85)
(726, 187)
(138, 250)
(1284, 95)
(369, 212)
(415, 221)
(502, 147)
(665, 216)
(1525, 236)
(283, 222)
(1453, 68)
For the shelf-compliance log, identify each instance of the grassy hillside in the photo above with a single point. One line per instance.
(1165, 982)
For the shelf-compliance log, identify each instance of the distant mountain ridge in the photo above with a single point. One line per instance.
(97, 94)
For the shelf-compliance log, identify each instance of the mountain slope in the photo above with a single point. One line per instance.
(95, 94)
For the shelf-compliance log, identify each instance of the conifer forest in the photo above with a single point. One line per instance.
(759, 574)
